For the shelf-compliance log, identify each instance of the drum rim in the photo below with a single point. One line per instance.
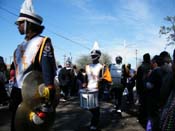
(87, 90)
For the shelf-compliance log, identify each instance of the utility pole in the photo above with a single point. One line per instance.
(5, 60)
(136, 58)
(64, 59)
(125, 47)
(10, 59)
(70, 56)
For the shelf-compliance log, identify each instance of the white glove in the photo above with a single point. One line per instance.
(37, 118)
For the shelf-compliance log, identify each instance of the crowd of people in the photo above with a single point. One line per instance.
(34, 60)
(153, 80)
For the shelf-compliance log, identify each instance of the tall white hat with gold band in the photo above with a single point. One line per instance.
(27, 13)
(95, 49)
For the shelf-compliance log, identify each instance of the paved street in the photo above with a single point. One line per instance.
(70, 117)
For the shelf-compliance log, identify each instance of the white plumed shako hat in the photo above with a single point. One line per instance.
(95, 49)
(27, 13)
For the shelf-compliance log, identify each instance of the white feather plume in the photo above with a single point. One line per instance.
(95, 46)
(27, 6)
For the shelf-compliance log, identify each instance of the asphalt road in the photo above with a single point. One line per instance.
(70, 117)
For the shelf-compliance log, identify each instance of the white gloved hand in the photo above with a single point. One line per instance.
(44, 91)
(37, 118)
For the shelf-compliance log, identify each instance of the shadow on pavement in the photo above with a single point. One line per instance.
(70, 117)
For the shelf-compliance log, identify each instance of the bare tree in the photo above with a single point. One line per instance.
(105, 59)
(82, 61)
(169, 31)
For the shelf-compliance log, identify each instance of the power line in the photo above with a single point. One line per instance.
(8, 11)
(57, 34)
(66, 38)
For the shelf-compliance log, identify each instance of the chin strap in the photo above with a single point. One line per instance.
(95, 58)
(25, 27)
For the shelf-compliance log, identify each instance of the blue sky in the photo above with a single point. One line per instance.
(74, 25)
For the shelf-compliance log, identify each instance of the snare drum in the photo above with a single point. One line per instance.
(88, 99)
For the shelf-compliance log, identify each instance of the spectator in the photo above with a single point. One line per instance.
(141, 79)
(131, 77)
(66, 79)
(153, 86)
(3, 79)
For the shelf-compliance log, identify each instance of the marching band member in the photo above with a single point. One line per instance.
(35, 53)
(117, 71)
(93, 77)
